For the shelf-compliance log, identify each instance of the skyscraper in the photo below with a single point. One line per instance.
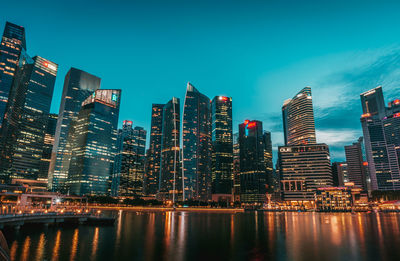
(269, 165)
(236, 167)
(92, 140)
(48, 146)
(253, 174)
(26, 119)
(12, 47)
(222, 145)
(304, 165)
(170, 176)
(381, 128)
(78, 86)
(298, 119)
(153, 157)
(130, 160)
(356, 169)
(339, 173)
(303, 169)
(196, 135)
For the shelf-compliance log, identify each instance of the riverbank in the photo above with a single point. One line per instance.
(190, 209)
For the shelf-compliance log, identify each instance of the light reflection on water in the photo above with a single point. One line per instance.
(211, 236)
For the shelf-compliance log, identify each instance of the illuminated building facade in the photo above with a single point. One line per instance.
(356, 165)
(78, 86)
(12, 47)
(298, 119)
(153, 157)
(381, 131)
(170, 174)
(222, 145)
(92, 140)
(48, 146)
(130, 160)
(253, 174)
(24, 127)
(304, 165)
(336, 198)
(303, 169)
(196, 136)
(269, 165)
(236, 167)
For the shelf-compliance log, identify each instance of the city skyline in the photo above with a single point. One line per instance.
(352, 66)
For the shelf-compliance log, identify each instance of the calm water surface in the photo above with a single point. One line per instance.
(216, 236)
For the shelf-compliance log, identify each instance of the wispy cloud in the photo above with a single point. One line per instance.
(336, 98)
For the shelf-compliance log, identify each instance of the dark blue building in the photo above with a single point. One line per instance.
(93, 144)
(26, 119)
(12, 49)
(153, 156)
(170, 175)
(78, 86)
(222, 145)
(196, 135)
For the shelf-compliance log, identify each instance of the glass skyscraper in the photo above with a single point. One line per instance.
(48, 146)
(26, 119)
(170, 175)
(253, 175)
(298, 119)
(130, 160)
(93, 144)
(153, 157)
(196, 135)
(12, 47)
(381, 129)
(78, 86)
(222, 145)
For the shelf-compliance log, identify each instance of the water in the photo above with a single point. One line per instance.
(216, 236)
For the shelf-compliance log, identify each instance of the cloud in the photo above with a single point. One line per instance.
(337, 137)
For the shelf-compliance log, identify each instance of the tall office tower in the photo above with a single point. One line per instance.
(92, 140)
(269, 165)
(373, 103)
(339, 173)
(253, 175)
(48, 146)
(236, 167)
(12, 47)
(78, 86)
(298, 119)
(356, 168)
(303, 169)
(381, 131)
(26, 119)
(222, 146)
(131, 158)
(196, 136)
(153, 158)
(170, 175)
(303, 165)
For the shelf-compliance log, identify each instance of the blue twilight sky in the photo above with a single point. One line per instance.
(258, 52)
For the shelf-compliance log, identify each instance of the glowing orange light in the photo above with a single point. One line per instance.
(246, 122)
(366, 115)
(365, 163)
(251, 125)
(46, 64)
